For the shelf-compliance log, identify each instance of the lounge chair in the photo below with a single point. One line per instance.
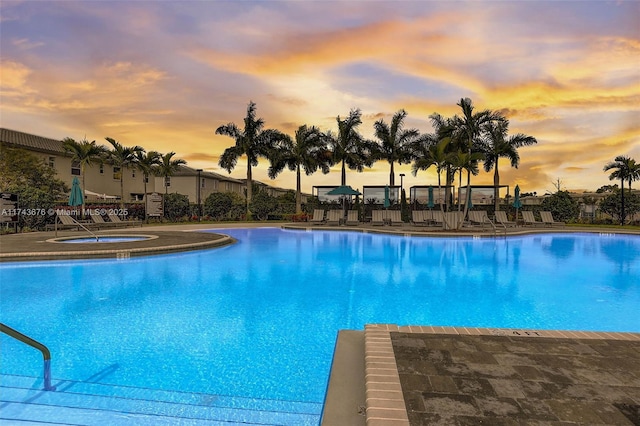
(352, 218)
(115, 219)
(417, 218)
(479, 218)
(377, 217)
(529, 219)
(318, 217)
(437, 218)
(452, 219)
(395, 217)
(501, 218)
(99, 222)
(547, 219)
(334, 217)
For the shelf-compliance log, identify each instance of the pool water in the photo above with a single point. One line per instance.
(259, 318)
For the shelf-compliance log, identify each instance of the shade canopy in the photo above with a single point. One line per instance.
(344, 190)
(76, 198)
(516, 199)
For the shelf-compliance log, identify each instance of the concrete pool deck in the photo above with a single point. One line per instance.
(388, 375)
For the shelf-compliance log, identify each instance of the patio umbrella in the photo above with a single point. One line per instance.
(344, 190)
(516, 200)
(387, 203)
(75, 198)
(430, 202)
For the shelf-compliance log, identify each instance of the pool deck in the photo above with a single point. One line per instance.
(419, 375)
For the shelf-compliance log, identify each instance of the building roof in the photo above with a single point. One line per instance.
(189, 171)
(28, 141)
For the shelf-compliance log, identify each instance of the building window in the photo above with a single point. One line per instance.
(52, 162)
(133, 173)
(146, 179)
(228, 187)
(215, 185)
(75, 168)
(116, 173)
(202, 183)
(101, 169)
(167, 181)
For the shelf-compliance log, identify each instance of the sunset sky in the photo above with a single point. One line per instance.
(166, 74)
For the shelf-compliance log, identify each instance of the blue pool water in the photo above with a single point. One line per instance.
(260, 318)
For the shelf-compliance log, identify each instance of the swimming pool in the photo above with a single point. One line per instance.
(259, 318)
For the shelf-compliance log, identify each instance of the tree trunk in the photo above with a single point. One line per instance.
(121, 189)
(344, 174)
(298, 192)
(496, 188)
(392, 177)
(249, 187)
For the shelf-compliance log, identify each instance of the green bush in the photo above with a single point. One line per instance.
(562, 206)
(176, 206)
(612, 205)
(262, 205)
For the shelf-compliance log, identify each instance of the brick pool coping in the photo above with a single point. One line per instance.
(385, 401)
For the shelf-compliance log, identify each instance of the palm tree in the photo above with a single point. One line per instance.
(625, 169)
(84, 153)
(468, 130)
(147, 163)
(497, 145)
(122, 156)
(463, 161)
(395, 142)
(348, 147)
(431, 151)
(308, 152)
(168, 166)
(252, 141)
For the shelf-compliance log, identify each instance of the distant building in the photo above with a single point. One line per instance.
(102, 180)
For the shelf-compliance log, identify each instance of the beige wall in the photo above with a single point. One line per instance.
(188, 185)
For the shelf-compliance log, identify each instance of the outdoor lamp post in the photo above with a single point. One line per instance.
(401, 179)
(199, 204)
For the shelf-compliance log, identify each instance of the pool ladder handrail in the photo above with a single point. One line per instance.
(46, 355)
(80, 225)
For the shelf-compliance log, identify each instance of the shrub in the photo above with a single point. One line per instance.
(176, 206)
(562, 206)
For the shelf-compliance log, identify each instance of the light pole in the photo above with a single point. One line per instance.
(401, 179)
(199, 204)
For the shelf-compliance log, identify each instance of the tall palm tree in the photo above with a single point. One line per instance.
(634, 171)
(348, 147)
(308, 152)
(394, 142)
(445, 127)
(431, 151)
(496, 145)
(252, 141)
(84, 153)
(168, 166)
(122, 156)
(624, 169)
(468, 131)
(147, 163)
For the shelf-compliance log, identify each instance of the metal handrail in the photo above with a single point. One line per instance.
(46, 355)
(79, 224)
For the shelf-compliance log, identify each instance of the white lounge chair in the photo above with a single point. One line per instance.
(529, 219)
(395, 217)
(547, 219)
(479, 218)
(352, 218)
(501, 218)
(116, 219)
(377, 217)
(417, 218)
(334, 217)
(318, 217)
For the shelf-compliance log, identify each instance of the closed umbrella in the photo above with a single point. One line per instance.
(387, 202)
(430, 203)
(516, 200)
(76, 198)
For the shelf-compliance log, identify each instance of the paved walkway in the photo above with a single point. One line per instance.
(459, 376)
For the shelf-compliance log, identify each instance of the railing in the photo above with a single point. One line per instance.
(46, 355)
(77, 223)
